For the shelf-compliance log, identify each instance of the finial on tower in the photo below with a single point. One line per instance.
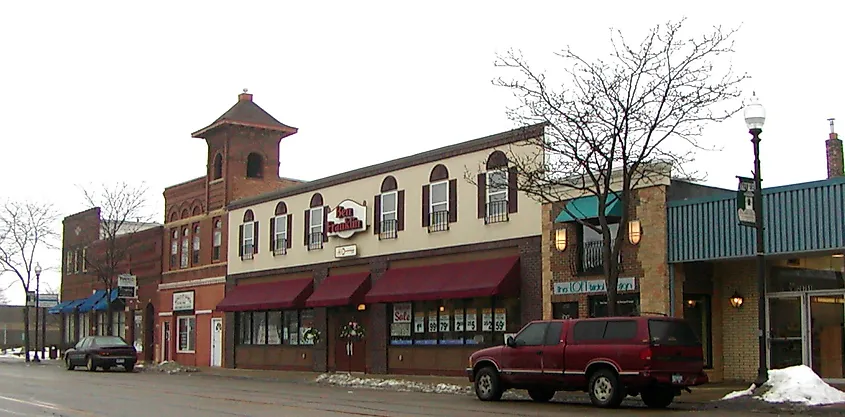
(245, 96)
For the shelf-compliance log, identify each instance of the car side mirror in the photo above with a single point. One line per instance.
(511, 342)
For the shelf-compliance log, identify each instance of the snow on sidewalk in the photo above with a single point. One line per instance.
(347, 380)
(796, 384)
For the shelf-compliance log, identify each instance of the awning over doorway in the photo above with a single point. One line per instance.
(56, 309)
(91, 301)
(340, 290)
(71, 305)
(268, 296)
(588, 208)
(103, 304)
(481, 278)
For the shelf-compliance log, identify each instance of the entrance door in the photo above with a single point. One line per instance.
(787, 315)
(350, 357)
(165, 341)
(216, 342)
(824, 334)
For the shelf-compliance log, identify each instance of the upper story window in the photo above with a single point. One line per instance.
(85, 259)
(315, 223)
(389, 210)
(184, 258)
(592, 261)
(440, 200)
(248, 236)
(174, 248)
(254, 166)
(497, 190)
(69, 261)
(217, 239)
(217, 167)
(195, 253)
(280, 230)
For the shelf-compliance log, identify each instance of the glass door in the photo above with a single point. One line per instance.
(825, 331)
(787, 314)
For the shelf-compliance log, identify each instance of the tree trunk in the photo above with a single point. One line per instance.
(109, 318)
(26, 330)
(611, 271)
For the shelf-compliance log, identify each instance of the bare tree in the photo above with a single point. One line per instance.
(616, 122)
(25, 229)
(123, 212)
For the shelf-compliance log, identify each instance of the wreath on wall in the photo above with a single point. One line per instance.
(352, 331)
(311, 336)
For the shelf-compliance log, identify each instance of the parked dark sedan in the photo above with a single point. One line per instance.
(101, 352)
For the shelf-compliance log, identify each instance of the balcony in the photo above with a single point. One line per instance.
(281, 247)
(388, 229)
(497, 212)
(249, 252)
(438, 221)
(315, 241)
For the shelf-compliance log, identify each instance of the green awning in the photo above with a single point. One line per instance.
(588, 208)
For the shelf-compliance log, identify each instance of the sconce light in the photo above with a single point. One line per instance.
(692, 303)
(362, 307)
(442, 309)
(560, 239)
(736, 300)
(635, 231)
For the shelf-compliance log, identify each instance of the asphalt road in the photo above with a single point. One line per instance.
(49, 390)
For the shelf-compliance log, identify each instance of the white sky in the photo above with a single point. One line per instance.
(104, 91)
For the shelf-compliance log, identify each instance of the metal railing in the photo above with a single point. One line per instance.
(249, 252)
(497, 212)
(438, 221)
(281, 247)
(388, 229)
(591, 257)
(315, 241)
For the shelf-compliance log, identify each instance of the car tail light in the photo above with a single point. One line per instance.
(645, 354)
(104, 353)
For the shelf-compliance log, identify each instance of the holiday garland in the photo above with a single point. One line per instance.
(352, 331)
(311, 336)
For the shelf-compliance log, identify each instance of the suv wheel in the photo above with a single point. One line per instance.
(487, 385)
(605, 389)
(657, 397)
(541, 395)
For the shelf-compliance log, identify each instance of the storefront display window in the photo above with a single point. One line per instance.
(187, 334)
(627, 305)
(245, 325)
(476, 321)
(118, 323)
(274, 327)
(565, 311)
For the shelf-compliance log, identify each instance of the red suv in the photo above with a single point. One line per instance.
(654, 357)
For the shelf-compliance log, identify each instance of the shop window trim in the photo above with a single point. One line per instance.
(495, 302)
(191, 329)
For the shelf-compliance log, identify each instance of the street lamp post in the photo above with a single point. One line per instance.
(755, 116)
(37, 293)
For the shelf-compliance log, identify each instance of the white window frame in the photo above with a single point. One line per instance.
(491, 192)
(118, 322)
(195, 245)
(184, 260)
(384, 213)
(315, 228)
(431, 202)
(280, 231)
(217, 240)
(190, 349)
(249, 227)
(84, 259)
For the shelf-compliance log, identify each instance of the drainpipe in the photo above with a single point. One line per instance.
(672, 290)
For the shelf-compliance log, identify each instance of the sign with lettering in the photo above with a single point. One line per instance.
(346, 251)
(745, 202)
(48, 300)
(402, 313)
(592, 286)
(126, 286)
(183, 301)
(347, 219)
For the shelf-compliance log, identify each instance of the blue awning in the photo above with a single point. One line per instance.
(89, 302)
(588, 208)
(71, 305)
(103, 304)
(58, 307)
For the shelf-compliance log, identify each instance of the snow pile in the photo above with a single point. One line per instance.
(796, 384)
(169, 367)
(347, 380)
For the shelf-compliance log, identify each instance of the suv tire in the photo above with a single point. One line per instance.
(541, 395)
(605, 389)
(487, 384)
(657, 397)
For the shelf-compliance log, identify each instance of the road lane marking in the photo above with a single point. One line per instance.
(41, 404)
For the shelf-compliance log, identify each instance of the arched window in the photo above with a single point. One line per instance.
(316, 200)
(389, 184)
(438, 173)
(254, 166)
(185, 213)
(217, 171)
(440, 200)
(174, 216)
(497, 159)
(281, 208)
(197, 210)
(389, 209)
(248, 216)
(280, 229)
(315, 220)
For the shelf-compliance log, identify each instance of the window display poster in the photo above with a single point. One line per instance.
(487, 320)
(400, 329)
(501, 319)
(471, 320)
(402, 313)
(432, 322)
(445, 322)
(419, 322)
(459, 320)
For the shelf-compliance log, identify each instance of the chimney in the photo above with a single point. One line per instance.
(248, 97)
(834, 154)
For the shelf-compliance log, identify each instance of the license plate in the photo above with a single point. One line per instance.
(121, 361)
(677, 379)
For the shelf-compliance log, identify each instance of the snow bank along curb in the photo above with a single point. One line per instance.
(167, 367)
(346, 380)
(796, 384)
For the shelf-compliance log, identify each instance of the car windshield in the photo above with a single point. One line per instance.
(108, 341)
(672, 333)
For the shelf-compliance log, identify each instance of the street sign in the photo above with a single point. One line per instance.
(30, 298)
(127, 286)
(745, 202)
(48, 300)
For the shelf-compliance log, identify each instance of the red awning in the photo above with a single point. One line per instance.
(340, 290)
(268, 296)
(482, 278)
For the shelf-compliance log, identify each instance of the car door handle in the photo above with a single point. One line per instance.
(539, 352)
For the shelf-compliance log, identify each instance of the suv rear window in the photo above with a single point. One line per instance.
(671, 333)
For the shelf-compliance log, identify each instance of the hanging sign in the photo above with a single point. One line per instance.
(745, 202)
(347, 219)
(126, 286)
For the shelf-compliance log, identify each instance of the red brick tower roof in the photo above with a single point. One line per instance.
(248, 114)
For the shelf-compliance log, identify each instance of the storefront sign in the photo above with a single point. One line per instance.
(183, 301)
(487, 320)
(745, 202)
(593, 286)
(347, 251)
(347, 219)
(402, 313)
(500, 319)
(126, 286)
(471, 320)
(432, 322)
(48, 300)
(459, 320)
(445, 322)
(419, 322)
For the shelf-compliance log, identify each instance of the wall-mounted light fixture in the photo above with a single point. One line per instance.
(737, 300)
(442, 309)
(362, 307)
(635, 232)
(560, 239)
(692, 303)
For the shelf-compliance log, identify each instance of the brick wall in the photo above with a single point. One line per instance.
(651, 252)
(737, 343)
